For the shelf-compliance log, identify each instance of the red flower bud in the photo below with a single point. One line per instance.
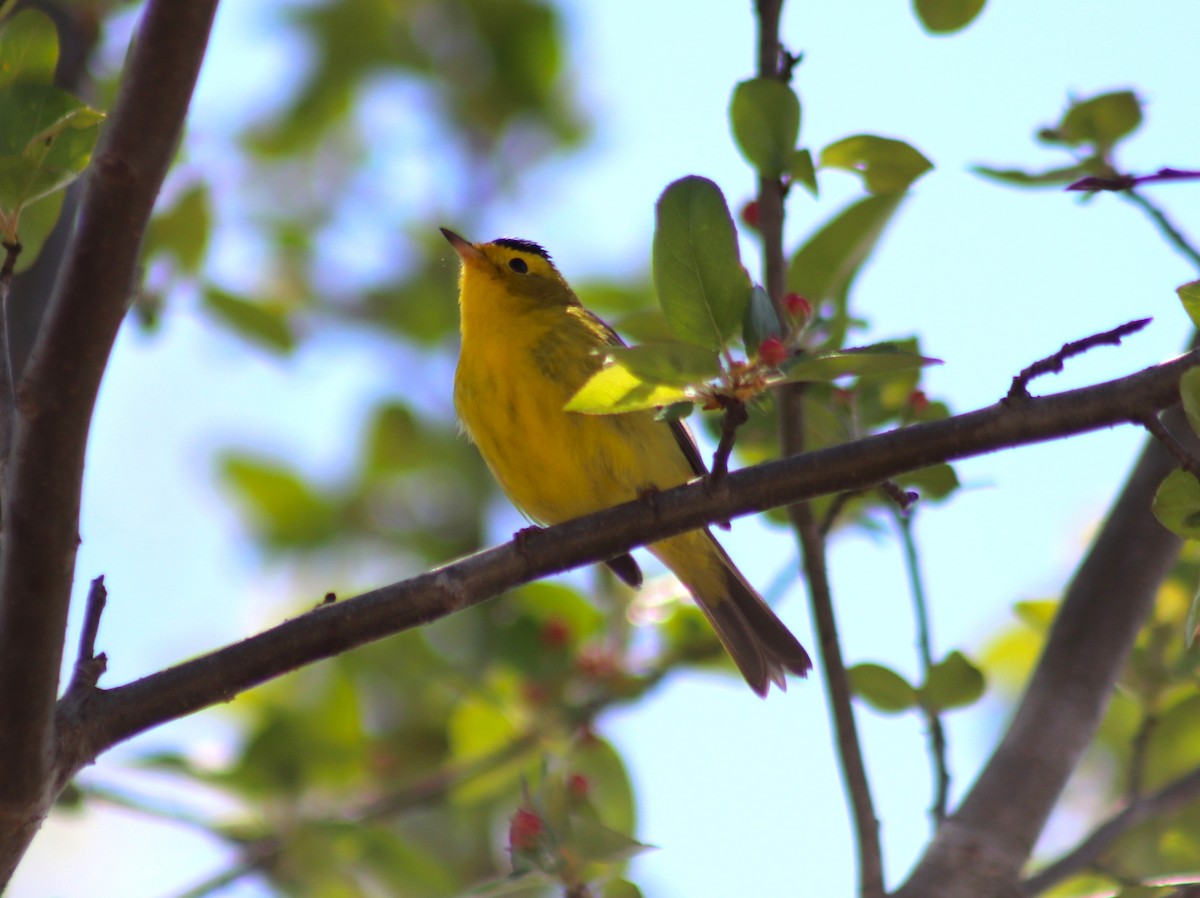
(750, 214)
(798, 307)
(772, 351)
(918, 401)
(555, 633)
(524, 830)
(578, 786)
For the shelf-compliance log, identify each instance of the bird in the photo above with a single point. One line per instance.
(527, 346)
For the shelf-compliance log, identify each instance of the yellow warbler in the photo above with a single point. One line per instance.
(527, 347)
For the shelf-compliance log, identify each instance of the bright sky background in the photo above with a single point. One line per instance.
(992, 279)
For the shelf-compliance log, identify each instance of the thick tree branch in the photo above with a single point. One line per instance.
(56, 394)
(114, 715)
(982, 848)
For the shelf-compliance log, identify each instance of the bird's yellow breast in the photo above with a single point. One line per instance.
(517, 369)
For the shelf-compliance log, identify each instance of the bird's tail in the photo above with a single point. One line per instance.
(764, 650)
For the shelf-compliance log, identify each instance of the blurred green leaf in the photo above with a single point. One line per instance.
(667, 364)
(265, 325)
(946, 16)
(37, 221)
(803, 170)
(698, 275)
(182, 230)
(953, 682)
(882, 688)
(823, 268)
(396, 441)
(28, 49)
(621, 888)
(1189, 392)
(867, 360)
(286, 511)
(593, 842)
(1100, 121)
(615, 389)
(1055, 177)
(765, 114)
(1192, 624)
(887, 166)
(1177, 504)
(478, 728)
(1189, 295)
(46, 142)
(761, 319)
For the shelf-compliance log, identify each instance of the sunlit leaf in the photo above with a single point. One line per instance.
(887, 166)
(765, 113)
(1177, 504)
(946, 16)
(698, 275)
(882, 688)
(803, 170)
(614, 389)
(667, 364)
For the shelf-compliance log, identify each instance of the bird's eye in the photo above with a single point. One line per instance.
(518, 265)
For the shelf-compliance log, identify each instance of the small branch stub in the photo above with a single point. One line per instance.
(1054, 364)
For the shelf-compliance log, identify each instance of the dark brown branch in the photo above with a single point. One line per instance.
(1054, 364)
(1104, 606)
(1094, 184)
(114, 715)
(88, 665)
(56, 395)
(732, 418)
(1173, 797)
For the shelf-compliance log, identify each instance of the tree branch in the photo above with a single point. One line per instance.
(56, 395)
(114, 715)
(982, 848)
(1172, 797)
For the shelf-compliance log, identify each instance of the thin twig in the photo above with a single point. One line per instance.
(1158, 430)
(1164, 224)
(1172, 797)
(735, 416)
(1054, 363)
(937, 733)
(88, 665)
(8, 397)
(1093, 184)
(1137, 760)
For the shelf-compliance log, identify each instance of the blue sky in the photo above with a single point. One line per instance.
(991, 278)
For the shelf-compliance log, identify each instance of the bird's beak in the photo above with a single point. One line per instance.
(467, 251)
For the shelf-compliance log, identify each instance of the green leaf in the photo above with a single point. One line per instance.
(887, 166)
(621, 888)
(761, 319)
(262, 324)
(592, 841)
(28, 49)
(478, 729)
(867, 360)
(802, 169)
(765, 114)
(953, 682)
(698, 275)
(823, 268)
(1099, 122)
(285, 509)
(182, 230)
(676, 411)
(396, 441)
(1053, 177)
(37, 221)
(667, 364)
(1177, 504)
(1189, 392)
(614, 389)
(45, 144)
(946, 16)
(882, 688)
(1189, 295)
